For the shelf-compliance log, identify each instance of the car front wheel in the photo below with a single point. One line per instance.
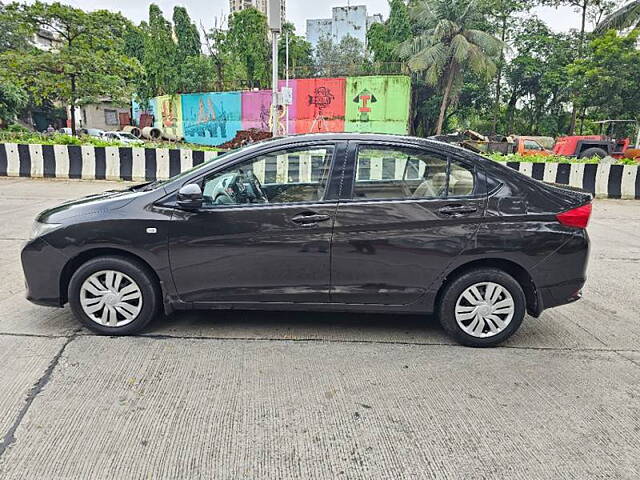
(482, 307)
(113, 295)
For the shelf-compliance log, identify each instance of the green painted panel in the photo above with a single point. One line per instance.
(378, 104)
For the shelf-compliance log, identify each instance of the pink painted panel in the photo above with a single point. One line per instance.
(255, 109)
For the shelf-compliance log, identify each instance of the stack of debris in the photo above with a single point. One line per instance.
(246, 137)
(476, 142)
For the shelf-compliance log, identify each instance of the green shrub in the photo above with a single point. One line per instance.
(14, 127)
(27, 137)
(551, 159)
(63, 139)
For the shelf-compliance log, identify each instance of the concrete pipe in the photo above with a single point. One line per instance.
(135, 131)
(151, 133)
(171, 135)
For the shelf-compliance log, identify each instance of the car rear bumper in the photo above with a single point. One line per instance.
(561, 276)
(557, 295)
(42, 265)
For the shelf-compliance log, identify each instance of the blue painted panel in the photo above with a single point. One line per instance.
(211, 118)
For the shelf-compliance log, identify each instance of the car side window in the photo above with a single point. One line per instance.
(286, 176)
(531, 145)
(403, 173)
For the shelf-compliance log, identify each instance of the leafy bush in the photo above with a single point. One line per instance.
(27, 137)
(552, 159)
(14, 127)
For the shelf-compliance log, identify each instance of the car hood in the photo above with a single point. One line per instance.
(91, 204)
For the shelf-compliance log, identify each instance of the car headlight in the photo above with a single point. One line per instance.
(40, 229)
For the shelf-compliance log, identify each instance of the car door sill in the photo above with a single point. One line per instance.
(411, 308)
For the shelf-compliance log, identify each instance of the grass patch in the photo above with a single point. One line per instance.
(28, 138)
(552, 159)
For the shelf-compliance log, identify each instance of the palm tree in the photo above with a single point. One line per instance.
(447, 44)
(623, 18)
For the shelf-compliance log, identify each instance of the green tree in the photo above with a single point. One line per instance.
(585, 8)
(160, 57)
(195, 71)
(501, 14)
(199, 74)
(218, 51)
(344, 58)
(383, 39)
(87, 64)
(14, 33)
(625, 17)
(607, 78)
(12, 100)
(247, 43)
(187, 36)
(447, 44)
(134, 41)
(300, 51)
(538, 80)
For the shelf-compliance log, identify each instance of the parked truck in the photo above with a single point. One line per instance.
(610, 142)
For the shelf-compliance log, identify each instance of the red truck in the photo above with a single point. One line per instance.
(605, 144)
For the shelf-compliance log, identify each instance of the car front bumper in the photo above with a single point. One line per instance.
(42, 266)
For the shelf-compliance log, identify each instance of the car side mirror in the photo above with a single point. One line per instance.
(190, 197)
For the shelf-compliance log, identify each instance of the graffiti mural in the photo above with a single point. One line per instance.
(255, 110)
(320, 105)
(378, 104)
(168, 115)
(353, 104)
(211, 118)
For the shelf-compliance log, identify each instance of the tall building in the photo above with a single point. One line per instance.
(350, 20)
(261, 5)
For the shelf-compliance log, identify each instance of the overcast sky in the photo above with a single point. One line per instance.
(297, 10)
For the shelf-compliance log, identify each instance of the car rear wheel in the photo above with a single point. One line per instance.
(113, 295)
(482, 307)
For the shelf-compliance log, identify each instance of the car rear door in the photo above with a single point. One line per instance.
(405, 213)
(226, 252)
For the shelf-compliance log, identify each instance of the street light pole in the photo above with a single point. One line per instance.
(286, 127)
(274, 83)
(275, 25)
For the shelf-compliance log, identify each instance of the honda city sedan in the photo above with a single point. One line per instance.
(331, 222)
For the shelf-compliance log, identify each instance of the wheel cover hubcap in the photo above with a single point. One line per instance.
(484, 309)
(111, 298)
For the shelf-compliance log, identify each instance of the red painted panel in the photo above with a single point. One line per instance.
(320, 105)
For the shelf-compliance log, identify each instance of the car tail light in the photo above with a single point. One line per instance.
(576, 217)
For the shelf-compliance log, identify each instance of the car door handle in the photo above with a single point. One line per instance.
(310, 218)
(457, 210)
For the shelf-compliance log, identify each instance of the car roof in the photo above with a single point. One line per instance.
(369, 137)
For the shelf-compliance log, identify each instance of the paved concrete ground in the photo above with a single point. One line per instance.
(298, 395)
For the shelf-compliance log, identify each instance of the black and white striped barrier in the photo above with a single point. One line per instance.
(145, 164)
(603, 179)
(97, 163)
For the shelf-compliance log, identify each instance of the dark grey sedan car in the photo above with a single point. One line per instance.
(347, 222)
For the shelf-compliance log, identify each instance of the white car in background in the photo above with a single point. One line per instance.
(124, 137)
(94, 132)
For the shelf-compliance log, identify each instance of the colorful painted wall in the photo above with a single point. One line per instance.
(377, 104)
(211, 118)
(167, 114)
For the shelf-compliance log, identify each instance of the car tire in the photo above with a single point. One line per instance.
(593, 152)
(482, 307)
(124, 287)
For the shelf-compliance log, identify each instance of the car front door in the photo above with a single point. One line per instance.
(263, 233)
(405, 214)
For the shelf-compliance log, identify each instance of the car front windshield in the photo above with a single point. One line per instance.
(128, 136)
